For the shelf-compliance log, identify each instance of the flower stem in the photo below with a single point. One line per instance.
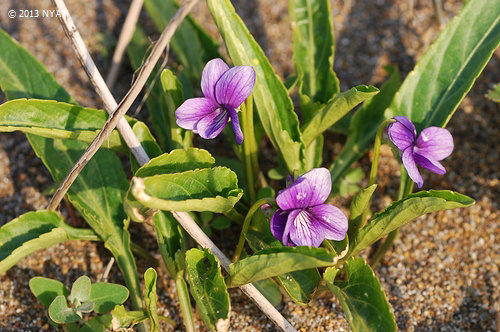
(405, 188)
(374, 169)
(246, 225)
(185, 303)
(249, 148)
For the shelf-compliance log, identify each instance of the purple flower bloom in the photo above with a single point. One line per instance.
(302, 218)
(224, 90)
(433, 144)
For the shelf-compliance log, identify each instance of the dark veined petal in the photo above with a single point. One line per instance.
(212, 124)
(402, 133)
(429, 163)
(234, 86)
(303, 230)
(434, 143)
(211, 74)
(310, 189)
(331, 219)
(193, 110)
(278, 223)
(235, 123)
(411, 166)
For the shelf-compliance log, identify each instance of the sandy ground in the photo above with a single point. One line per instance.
(442, 274)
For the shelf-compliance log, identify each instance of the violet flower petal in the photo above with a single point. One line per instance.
(211, 74)
(430, 164)
(310, 189)
(235, 123)
(193, 110)
(411, 166)
(331, 219)
(303, 230)
(407, 123)
(213, 123)
(278, 223)
(434, 143)
(234, 86)
(400, 135)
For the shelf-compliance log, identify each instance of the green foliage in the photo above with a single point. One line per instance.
(313, 51)
(271, 98)
(359, 204)
(80, 292)
(338, 107)
(362, 298)
(442, 77)
(61, 313)
(125, 319)
(34, 231)
(494, 94)
(46, 289)
(404, 211)
(150, 299)
(169, 238)
(348, 185)
(273, 262)
(364, 125)
(208, 288)
(106, 296)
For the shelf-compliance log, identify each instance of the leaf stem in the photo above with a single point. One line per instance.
(246, 225)
(249, 148)
(185, 302)
(405, 188)
(374, 169)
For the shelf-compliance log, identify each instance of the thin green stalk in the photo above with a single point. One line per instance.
(246, 225)
(185, 303)
(374, 169)
(249, 147)
(328, 246)
(405, 188)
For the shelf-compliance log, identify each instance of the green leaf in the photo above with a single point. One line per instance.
(147, 141)
(99, 323)
(124, 319)
(85, 307)
(106, 296)
(365, 306)
(46, 290)
(221, 222)
(341, 104)
(404, 211)
(177, 161)
(150, 299)
(313, 51)
(348, 185)
(208, 288)
(273, 262)
(60, 313)
(174, 97)
(80, 292)
(98, 191)
(494, 94)
(169, 238)
(34, 231)
(364, 125)
(52, 119)
(298, 284)
(209, 189)
(358, 205)
(432, 92)
(270, 290)
(191, 44)
(137, 50)
(274, 106)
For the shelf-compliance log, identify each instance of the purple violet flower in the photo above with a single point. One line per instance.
(302, 218)
(224, 90)
(432, 145)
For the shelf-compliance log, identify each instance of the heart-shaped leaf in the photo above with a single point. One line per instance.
(106, 296)
(46, 290)
(60, 313)
(80, 292)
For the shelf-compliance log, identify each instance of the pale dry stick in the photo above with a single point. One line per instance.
(98, 82)
(123, 40)
(100, 86)
(264, 305)
(126, 102)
